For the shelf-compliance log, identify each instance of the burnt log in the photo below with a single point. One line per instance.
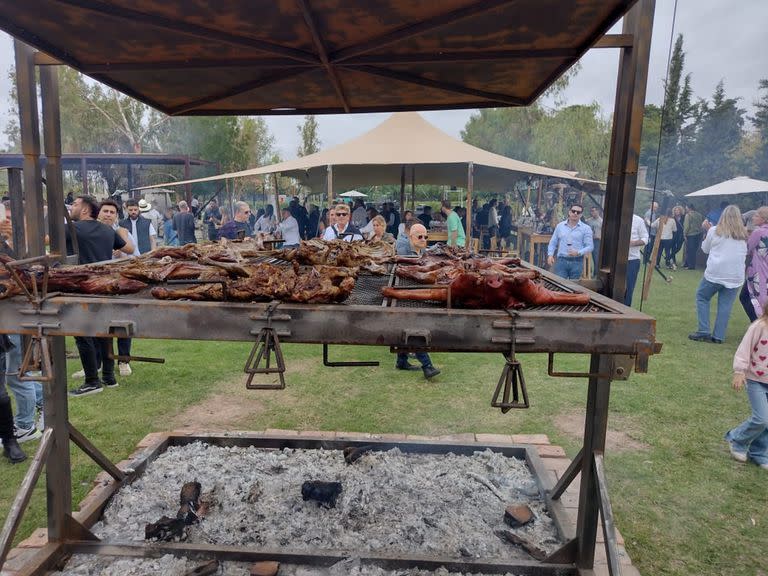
(324, 493)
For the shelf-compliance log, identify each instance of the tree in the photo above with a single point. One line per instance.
(505, 131)
(718, 137)
(310, 141)
(760, 122)
(574, 138)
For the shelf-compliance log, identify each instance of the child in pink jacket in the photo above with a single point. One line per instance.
(749, 440)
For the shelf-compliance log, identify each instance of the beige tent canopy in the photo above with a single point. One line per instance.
(378, 157)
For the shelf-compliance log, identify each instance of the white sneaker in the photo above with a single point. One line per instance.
(736, 455)
(26, 434)
(124, 368)
(79, 374)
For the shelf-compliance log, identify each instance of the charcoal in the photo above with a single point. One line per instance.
(325, 493)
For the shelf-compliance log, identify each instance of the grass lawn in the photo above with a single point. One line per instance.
(683, 506)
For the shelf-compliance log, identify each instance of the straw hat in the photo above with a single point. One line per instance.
(144, 206)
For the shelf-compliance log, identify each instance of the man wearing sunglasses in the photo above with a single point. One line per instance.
(239, 227)
(571, 241)
(418, 243)
(342, 228)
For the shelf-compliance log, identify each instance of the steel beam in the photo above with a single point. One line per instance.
(458, 330)
(49, 90)
(58, 468)
(625, 148)
(16, 193)
(26, 91)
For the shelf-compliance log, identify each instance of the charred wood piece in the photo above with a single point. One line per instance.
(509, 536)
(166, 529)
(206, 569)
(169, 529)
(516, 515)
(352, 453)
(324, 493)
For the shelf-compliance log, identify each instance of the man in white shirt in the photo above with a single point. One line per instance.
(342, 229)
(289, 229)
(638, 237)
(150, 213)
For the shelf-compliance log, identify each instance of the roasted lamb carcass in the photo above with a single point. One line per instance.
(370, 256)
(323, 284)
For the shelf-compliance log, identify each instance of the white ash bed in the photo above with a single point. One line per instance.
(395, 503)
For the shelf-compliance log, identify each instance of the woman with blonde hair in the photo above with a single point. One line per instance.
(726, 246)
(380, 233)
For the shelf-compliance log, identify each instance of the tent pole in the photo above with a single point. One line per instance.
(229, 199)
(413, 188)
(278, 212)
(402, 189)
(470, 190)
(329, 185)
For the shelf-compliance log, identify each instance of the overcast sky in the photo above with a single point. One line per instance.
(723, 40)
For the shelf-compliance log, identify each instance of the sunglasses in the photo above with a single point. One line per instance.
(421, 237)
(342, 214)
(576, 211)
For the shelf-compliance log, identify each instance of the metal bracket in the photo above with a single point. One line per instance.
(267, 344)
(511, 380)
(552, 372)
(327, 362)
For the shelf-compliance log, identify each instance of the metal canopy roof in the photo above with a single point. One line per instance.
(316, 56)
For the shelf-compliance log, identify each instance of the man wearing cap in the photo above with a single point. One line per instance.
(289, 229)
(416, 247)
(238, 228)
(342, 229)
(142, 231)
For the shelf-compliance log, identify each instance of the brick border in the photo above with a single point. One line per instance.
(554, 458)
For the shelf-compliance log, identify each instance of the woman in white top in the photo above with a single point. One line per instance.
(667, 244)
(726, 245)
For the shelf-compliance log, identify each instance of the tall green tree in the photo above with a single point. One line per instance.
(574, 138)
(310, 141)
(760, 122)
(718, 138)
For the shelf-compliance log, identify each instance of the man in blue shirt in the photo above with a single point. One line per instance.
(571, 241)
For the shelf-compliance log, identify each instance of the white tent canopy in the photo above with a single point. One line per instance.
(403, 140)
(738, 185)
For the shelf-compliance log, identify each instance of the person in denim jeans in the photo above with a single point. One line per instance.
(749, 440)
(726, 245)
(28, 394)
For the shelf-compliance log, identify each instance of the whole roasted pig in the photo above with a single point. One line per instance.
(491, 291)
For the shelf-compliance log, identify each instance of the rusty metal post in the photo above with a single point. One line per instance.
(49, 90)
(16, 193)
(58, 468)
(413, 189)
(619, 208)
(26, 90)
(625, 148)
(595, 426)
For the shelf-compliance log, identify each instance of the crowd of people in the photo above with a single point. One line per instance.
(736, 266)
